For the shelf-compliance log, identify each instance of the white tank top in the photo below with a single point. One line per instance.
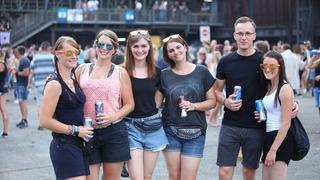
(273, 122)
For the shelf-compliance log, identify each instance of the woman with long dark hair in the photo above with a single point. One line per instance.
(278, 102)
(61, 111)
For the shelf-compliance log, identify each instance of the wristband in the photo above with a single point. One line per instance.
(75, 130)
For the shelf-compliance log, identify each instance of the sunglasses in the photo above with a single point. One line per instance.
(69, 53)
(175, 36)
(101, 45)
(136, 32)
(271, 67)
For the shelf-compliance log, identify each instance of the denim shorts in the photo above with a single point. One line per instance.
(22, 93)
(150, 141)
(250, 140)
(68, 160)
(316, 95)
(192, 147)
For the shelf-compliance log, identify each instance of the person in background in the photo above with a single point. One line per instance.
(278, 102)
(188, 92)
(61, 111)
(3, 93)
(109, 84)
(41, 67)
(145, 143)
(22, 74)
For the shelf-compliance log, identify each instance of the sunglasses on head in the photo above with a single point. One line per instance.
(271, 67)
(136, 32)
(69, 53)
(102, 45)
(175, 36)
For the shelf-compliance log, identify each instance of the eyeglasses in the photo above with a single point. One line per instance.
(175, 36)
(101, 45)
(246, 34)
(69, 53)
(136, 32)
(271, 67)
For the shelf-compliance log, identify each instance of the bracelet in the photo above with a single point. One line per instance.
(75, 130)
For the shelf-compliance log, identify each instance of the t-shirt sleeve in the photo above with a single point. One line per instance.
(208, 79)
(220, 74)
(25, 64)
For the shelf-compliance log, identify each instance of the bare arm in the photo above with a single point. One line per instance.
(158, 98)
(48, 106)
(30, 79)
(287, 98)
(25, 72)
(233, 105)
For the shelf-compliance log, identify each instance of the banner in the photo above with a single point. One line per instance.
(74, 15)
(62, 15)
(205, 34)
(4, 38)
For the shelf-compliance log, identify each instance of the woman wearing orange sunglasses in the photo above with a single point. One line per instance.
(278, 103)
(188, 92)
(109, 84)
(61, 111)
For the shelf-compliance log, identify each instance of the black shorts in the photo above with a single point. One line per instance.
(111, 144)
(285, 151)
(68, 159)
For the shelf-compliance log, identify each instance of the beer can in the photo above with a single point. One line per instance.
(260, 109)
(237, 92)
(87, 122)
(183, 111)
(99, 109)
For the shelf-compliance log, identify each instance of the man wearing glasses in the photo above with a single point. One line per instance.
(239, 128)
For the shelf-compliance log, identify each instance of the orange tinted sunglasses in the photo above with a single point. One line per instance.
(271, 67)
(69, 53)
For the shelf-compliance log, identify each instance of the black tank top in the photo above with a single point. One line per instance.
(69, 108)
(3, 76)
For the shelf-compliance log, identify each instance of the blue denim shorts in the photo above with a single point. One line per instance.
(22, 93)
(140, 139)
(316, 95)
(192, 147)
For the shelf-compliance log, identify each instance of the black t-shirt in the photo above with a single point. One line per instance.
(3, 76)
(317, 73)
(193, 87)
(143, 94)
(243, 71)
(23, 64)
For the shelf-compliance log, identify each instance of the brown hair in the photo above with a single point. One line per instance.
(165, 52)
(245, 19)
(129, 59)
(110, 34)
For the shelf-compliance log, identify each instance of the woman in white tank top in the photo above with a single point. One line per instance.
(278, 103)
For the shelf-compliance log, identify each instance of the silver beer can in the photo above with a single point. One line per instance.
(260, 109)
(99, 109)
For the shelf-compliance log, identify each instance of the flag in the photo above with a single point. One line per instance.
(4, 38)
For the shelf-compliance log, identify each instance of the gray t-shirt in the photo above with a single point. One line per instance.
(193, 87)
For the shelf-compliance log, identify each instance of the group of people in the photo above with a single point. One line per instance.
(147, 110)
